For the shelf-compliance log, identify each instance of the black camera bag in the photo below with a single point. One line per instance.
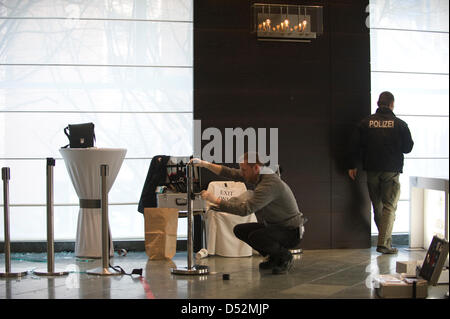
(80, 135)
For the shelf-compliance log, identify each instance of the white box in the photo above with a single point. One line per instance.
(408, 268)
(394, 286)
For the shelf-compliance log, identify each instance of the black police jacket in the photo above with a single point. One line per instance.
(380, 141)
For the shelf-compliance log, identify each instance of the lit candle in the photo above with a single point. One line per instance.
(264, 26)
(260, 26)
(304, 25)
(278, 27)
(282, 26)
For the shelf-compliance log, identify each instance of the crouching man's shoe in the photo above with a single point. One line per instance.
(268, 264)
(387, 251)
(283, 266)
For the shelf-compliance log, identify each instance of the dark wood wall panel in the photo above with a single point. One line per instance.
(350, 92)
(314, 93)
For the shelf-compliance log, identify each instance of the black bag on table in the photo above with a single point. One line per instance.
(80, 135)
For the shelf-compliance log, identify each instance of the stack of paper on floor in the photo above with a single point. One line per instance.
(412, 282)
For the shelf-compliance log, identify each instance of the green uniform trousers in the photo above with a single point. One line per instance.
(384, 192)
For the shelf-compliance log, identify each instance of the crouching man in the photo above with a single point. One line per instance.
(279, 219)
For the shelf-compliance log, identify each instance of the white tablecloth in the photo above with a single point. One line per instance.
(219, 225)
(83, 166)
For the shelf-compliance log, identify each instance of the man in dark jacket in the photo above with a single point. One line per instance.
(382, 139)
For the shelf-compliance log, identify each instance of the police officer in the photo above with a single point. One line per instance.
(381, 140)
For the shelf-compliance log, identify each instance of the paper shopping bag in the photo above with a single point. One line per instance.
(161, 225)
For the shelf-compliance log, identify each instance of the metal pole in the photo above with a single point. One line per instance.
(50, 237)
(191, 269)
(190, 216)
(105, 223)
(5, 178)
(6, 175)
(105, 269)
(50, 226)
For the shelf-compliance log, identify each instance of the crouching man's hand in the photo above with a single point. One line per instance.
(215, 168)
(210, 197)
(198, 162)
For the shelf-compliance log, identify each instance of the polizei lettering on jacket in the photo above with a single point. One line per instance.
(381, 124)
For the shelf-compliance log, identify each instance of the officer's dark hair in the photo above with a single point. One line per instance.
(385, 99)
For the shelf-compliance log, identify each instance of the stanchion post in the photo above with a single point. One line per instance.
(5, 178)
(6, 175)
(190, 216)
(104, 172)
(191, 269)
(50, 225)
(105, 269)
(50, 230)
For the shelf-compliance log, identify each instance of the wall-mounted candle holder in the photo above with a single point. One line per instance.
(282, 22)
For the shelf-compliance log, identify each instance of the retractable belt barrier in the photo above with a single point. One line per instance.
(190, 269)
(50, 228)
(104, 270)
(6, 174)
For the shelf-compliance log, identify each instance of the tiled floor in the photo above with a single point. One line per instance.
(317, 274)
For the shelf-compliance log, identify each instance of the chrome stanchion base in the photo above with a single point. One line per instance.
(196, 270)
(13, 274)
(296, 251)
(100, 271)
(50, 274)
